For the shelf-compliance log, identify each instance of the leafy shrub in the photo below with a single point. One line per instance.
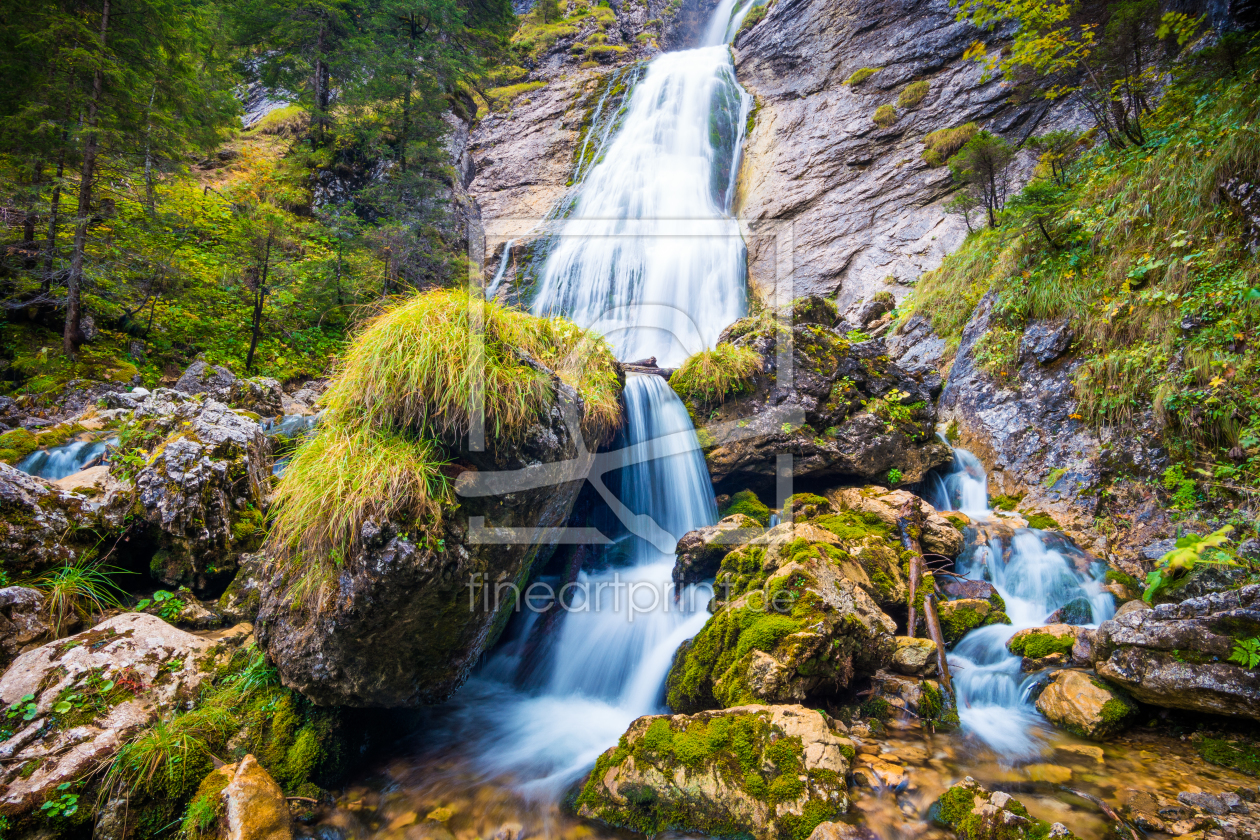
(1191, 550)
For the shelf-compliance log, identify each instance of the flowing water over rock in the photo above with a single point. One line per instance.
(58, 462)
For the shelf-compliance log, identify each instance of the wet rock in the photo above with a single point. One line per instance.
(262, 396)
(203, 491)
(791, 762)
(700, 552)
(23, 621)
(914, 657)
(1176, 655)
(956, 587)
(1046, 341)
(202, 378)
(961, 616)
(254, 805)
(939, 536)
(240, 601)
(923, 698)
(42, 525)
(790, 624)
(1039, 642)
(1076, 611)
(1085, 706)
(399, 600)
(1205, 802)
(842, 831)
(152, 665)
(849, 413)
(973, 812)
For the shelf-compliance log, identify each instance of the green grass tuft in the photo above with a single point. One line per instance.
(914, 93)
(710, 376)
(885, 115)
(940, 145)
(861, 75)
(77, 588)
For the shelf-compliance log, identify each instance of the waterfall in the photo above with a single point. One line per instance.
(1034, 578)
(649, 255)
(650, 258)
(58, 462)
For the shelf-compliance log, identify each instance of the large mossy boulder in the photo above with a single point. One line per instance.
(400, 543)
(203, 489)
(1085, 705)
(844, 410)
(962, 615)
(974, 813)
(797, 615)
(770, 772)
(1177, 655)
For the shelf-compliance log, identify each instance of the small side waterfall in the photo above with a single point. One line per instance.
(58, 462)
(1030, 571)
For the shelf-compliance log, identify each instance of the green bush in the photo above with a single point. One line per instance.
(861, 75)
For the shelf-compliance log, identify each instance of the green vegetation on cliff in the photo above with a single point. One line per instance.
(710, 376)
(1146, 248)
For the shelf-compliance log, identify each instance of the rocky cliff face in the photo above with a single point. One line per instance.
(865, 209)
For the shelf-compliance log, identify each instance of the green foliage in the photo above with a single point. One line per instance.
(1180, 487)
(885, 115)
(860, 75)
(913, 94)
(1191, 550)
(894, 476)
(1040, 645)
(63, 806)
(982, 166)
(80, 586)
(169, 606)
(1236, 754)
(755, 16)
(1246, 653)
(711, 376)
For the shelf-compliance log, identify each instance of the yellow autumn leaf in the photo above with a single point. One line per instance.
(1216, 383)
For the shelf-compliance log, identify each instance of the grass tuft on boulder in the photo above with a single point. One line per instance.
(885, 115)
(710, 376)
(914, 93)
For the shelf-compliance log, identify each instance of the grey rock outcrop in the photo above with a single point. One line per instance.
(204, 489)
(152, 665)
(865, 209)
(42, 525)
(23, 621)
(848, 412)
(1176, 655)
(202, 378)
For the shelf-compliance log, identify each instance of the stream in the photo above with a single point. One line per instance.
(650, 256)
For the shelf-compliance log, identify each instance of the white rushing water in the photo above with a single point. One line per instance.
(650, 258)
(58, 462)
(1035, 578)
(649, 255)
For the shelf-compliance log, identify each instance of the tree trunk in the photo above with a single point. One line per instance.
(71, 336)
(148, 157)
(259, 294)
(54, 206)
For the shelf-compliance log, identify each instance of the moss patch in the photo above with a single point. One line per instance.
(747, 503)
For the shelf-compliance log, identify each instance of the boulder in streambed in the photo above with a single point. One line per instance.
(962, 615)
(793, 618)
(1085, 705)
(700, 552)
(846, 412)
(1044, 647)
(974, 813)
(1178, 655)
(79, 699)
(772, 772)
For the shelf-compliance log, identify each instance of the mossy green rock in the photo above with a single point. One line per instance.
(975, 813)
(1040, 642)
(960, 617)
(791, 622)
(769, 772)
(746, 503)
(700, 552)
(1085, 705)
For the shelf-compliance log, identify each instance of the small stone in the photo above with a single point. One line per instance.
(256, 808)
(1205, 802)
(509, 831)
(1059, 830)
(1055, 774)
(1000, 798)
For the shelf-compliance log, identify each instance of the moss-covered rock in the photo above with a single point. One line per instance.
(937, 535)
(1085, 705)
(851, 412)
(974, 813)
(1036, 643)
(43, 526)
(746, 503)
(772, 772)
(960, 617)
(794, 618)
(700, 552)
(914, 657)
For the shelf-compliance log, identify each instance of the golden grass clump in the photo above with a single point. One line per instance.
(417, 366)
(860, 75)
(914, 93)
(885, 115)
(944, 143)
(710, 376)
(342, 477)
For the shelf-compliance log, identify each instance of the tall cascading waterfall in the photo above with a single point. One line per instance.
(649, 257)
(1032, 572)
